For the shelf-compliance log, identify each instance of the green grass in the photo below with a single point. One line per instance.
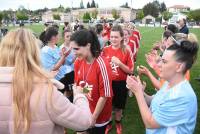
(132, 122)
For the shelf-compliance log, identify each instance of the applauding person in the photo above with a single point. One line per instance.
(173, 109)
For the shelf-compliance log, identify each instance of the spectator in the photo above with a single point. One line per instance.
(66, 26)
(99, 31)
(53, 58)
(182, 26)
(29, 102)
(76, 26)
(68, 78)
(4, 31)
(173, 109)
(21, 24)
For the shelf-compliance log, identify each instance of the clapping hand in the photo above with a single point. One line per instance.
(142, 70)
(134, 84)
(151, 59)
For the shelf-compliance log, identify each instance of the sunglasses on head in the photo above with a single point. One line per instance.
(176, 41)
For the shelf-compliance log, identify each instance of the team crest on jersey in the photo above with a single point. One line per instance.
(114, 67)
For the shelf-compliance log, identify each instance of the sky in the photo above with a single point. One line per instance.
(38, 4)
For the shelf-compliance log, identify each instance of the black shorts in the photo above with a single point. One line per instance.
(97, 130)
(68, 80)
(120, 94)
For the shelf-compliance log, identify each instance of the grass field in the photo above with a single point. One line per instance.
(132, 122)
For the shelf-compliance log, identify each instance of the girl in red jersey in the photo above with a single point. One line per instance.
(121, 62)
(130, 43)
(93, 73)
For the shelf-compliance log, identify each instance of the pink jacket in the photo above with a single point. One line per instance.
(45, 119)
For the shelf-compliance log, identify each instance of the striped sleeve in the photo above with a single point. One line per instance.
(105, 79)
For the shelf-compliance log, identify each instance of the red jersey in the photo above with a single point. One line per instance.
(132, 45)
(106, 32)
(125, 57)
(135, 39)
(137, 33)
(98, 76)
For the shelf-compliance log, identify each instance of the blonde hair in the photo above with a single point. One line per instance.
(192, 38)
(19, 49)
(180, 36)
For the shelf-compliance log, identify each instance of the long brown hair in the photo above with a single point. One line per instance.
(19, 49)
(118, 28)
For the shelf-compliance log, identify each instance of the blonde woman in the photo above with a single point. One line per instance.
(29, 102)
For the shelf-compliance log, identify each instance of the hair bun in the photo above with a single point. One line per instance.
(189, 47)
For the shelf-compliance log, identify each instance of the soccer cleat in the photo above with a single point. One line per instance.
(108, 128)
(119, 128)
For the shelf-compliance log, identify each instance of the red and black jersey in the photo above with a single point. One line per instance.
(98, 76)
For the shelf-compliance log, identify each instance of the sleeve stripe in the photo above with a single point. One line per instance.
(105, 77)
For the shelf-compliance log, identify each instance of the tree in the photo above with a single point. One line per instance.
(60, 9)
(94, 14)
(56, 16)
(195, 14)
(1, 18)
(125, 5)
(151, 9)
(67, 10)
(115, 14)
(21, 15)
(81, 4)
(88, 5)
(163, 7)
(86, 17)
(93, 5)
(140, 15)
(166, 15)
(156, 3)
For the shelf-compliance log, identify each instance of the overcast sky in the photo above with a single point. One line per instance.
(37, 4)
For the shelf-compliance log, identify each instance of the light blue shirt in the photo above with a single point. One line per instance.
(49, 57)
(101, 42)
(69, 61)
(174, 109)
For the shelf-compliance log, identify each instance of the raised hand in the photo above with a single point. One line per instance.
(142, 70)
(134, 84)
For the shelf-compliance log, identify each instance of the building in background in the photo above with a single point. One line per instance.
(178, 8)
(127, 14)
